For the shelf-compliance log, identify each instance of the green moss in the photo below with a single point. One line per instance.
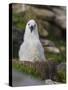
(61, 76)
(57, 57)
(26, 69)
(18, 20)
(20, 25)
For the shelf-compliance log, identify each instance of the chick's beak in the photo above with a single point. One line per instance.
(31, 28)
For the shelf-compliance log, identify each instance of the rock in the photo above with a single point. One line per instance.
(51, 70)
(61, 21)
(51, 28)
(55, 30)
(61, 72)
(61, 67)
(47, 42)
(43, 33)
(60, 17)
(49, 82)
(45, 24)
(62, 48)
(17, 8)
(52, 49)
(43, 13)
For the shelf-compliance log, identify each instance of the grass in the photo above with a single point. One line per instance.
(26, 69)
(56, 57)
(61, 76)
(61, 45)
(38, 70)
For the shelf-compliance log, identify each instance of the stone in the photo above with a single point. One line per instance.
(43, 13)
(52, 49)
(61, 72)
(61, 67)
(60, 19)
(47, 42)
(49, 82)
(43, 33)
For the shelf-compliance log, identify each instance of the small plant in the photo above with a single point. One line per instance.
(61, 76)
(26, 68)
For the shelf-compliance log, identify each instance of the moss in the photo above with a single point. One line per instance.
(61, 76)
(20, 25)
(57, 57)
(18, 20)
(26, 69)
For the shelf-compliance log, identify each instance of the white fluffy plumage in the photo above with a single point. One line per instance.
(31, 49)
